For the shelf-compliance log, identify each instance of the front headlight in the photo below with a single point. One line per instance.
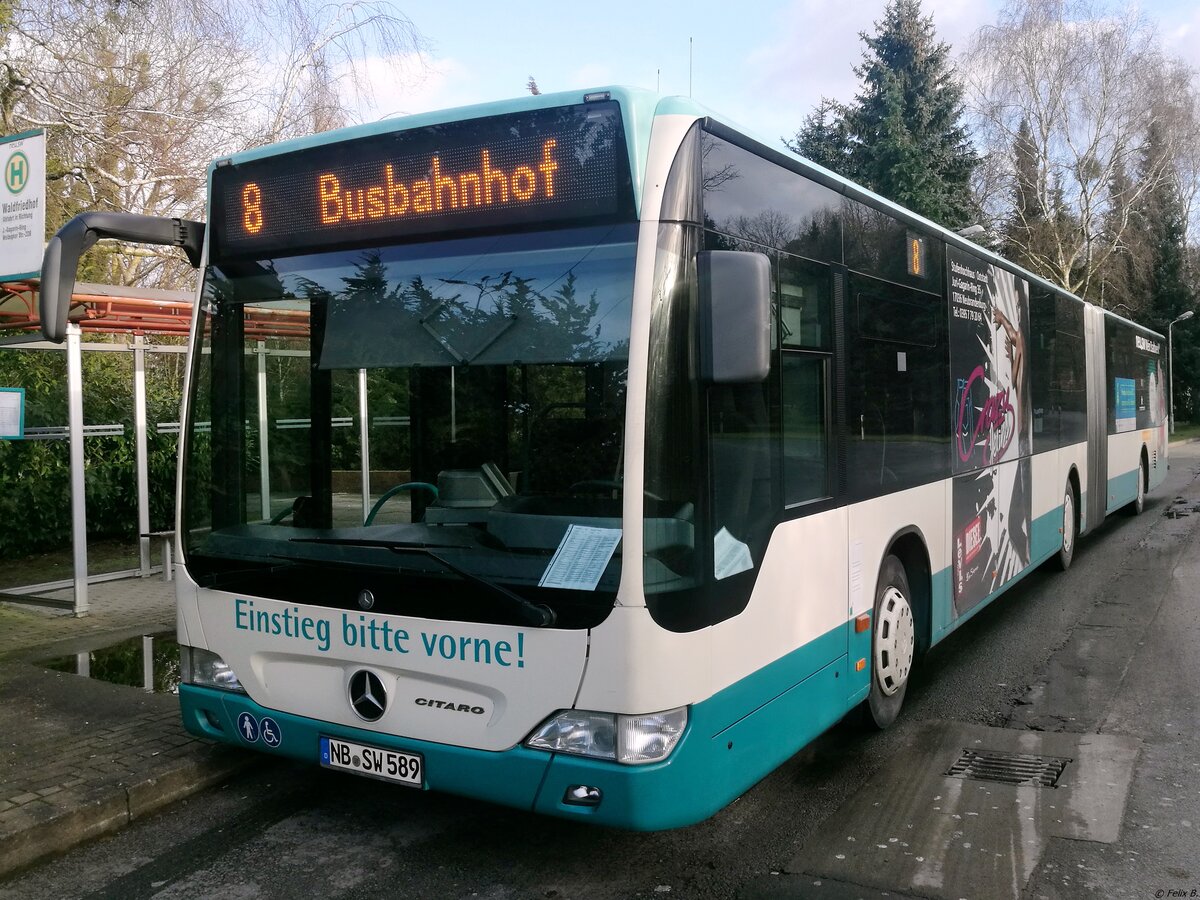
(632, 740)
(206, 669)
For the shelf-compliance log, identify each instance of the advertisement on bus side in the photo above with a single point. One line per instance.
(992, 427)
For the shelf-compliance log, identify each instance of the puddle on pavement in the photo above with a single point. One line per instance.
(150, 662)
(1178, 509)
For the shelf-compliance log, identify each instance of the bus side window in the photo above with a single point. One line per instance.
(897, 368)
(742, 444)
(804, 304)
(741, 448)
(1070, 373)
(1044, 371)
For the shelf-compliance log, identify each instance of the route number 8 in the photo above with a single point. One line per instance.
(252, 214)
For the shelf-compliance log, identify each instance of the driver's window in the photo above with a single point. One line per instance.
(741, 445)
(742, 460)
(803, 389)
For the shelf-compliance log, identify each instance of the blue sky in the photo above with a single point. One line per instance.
(765, 63)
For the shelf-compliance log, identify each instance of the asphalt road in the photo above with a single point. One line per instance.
(288, 831)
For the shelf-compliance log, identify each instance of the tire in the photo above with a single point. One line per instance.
(893, 646)
(1070, 532)
(1136, 507)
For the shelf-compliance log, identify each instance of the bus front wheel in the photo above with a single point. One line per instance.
(893, 645)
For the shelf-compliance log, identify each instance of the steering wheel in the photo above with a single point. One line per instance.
(595, 485)
(393, 491)
(288, 510)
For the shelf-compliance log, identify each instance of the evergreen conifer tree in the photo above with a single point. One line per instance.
(902, 136)
(823, 138)
(1028, 215)
(1123, 275)
(909, 141)
(1161, 220)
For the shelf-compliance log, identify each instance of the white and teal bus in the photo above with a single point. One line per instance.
(582, 454)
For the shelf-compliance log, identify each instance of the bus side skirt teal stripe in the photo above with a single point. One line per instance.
(1123, 488)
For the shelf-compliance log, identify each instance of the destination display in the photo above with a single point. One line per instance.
(542, 166)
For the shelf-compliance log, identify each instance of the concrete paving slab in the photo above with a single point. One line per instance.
(1158, 852)
(80, 758)
(953, 837)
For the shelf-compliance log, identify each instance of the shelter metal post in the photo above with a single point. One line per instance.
(364, 435)
(78, 497)
(264, 456)
(141, 454)
(148, 663)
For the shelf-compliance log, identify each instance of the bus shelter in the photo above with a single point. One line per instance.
(137, 331)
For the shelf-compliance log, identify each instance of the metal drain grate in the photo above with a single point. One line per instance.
(1009, 768)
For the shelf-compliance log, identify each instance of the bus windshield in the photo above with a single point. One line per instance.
(417, 423)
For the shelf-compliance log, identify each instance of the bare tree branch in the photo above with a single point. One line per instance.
(138, 98)
(1091, 83)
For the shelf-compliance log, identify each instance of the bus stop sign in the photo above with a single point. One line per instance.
(22, 205)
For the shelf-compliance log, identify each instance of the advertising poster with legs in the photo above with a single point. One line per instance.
(989, 365)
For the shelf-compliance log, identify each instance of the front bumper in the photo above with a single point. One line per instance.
(724, 750)
(643, 798)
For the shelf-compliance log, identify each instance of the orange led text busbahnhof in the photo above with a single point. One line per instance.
(482, 187)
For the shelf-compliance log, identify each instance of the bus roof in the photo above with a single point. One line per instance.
(852, 189)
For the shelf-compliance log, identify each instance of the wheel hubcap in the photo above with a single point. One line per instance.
(895, 641)
(1068, 522)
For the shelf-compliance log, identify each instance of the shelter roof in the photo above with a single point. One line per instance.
(116, 309)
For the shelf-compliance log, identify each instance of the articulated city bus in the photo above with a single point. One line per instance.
(583, 454)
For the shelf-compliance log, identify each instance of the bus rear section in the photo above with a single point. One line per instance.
(1135, 395)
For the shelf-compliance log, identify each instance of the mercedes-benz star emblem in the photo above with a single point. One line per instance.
(367, 695)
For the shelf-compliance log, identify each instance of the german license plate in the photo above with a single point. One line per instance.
(390, 765)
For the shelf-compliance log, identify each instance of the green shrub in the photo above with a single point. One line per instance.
(35, 482)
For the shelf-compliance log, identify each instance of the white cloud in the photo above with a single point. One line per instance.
(815, 48)
(813, 54)
(586, 76)
(1183, 40)
(387, 86)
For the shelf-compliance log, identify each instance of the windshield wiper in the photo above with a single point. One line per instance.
(534, 613)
